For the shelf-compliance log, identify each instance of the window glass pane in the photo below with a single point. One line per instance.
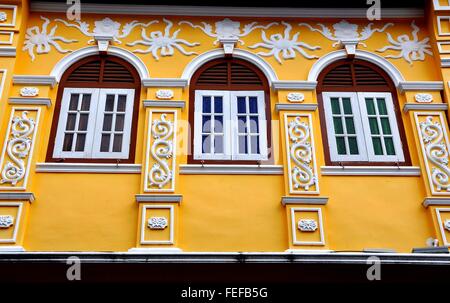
(117, 145)
(83, 123)
(86, 102)
(71, 119)
(353, 145)
(218, 104)
(241, 105)
(385, 126)
(347, 106)
(120, 119)
(104, 145)
(377, 147)
(350, 126)
(73, 105)
(81, 139)
(218, 144)
(254, 141)
(107, 122)
(206, 144)
(242, 124)
(338, 128)
(243, 149)
(340, 142)
(206, 104)
(374, 126)
(389, 144)
(67, 144)
(122, 102)
(206, 124)
(218, 124)
(370, 106)
(109, 105)
(335, 106)
(382, 110)
(253, 105)
(254, 121)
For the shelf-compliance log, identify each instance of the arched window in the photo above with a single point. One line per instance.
(96, 112)
(230, 111)
(358, 103)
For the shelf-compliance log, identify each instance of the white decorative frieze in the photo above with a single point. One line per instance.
(307, 225)
(160, 164)
(295, 97)
(302, 169)
(447, 225)
(411, 49)
(29, 91)
(164, 94)
(435, 150)
(3, 17)
(165, 43)
(282, 44)
(6, 221)
(423, 98)
(41, 40)
(157, 223)
(19, 143)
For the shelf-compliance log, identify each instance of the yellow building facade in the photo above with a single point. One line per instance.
(108, 144)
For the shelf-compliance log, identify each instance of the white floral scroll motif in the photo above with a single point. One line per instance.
(228, 29)
(164, 94)
(18, 149)
(42, 41)
(3, 17)
(29, 91)
(436, 151)
(6, 221)
(410, 49)
(283, 44)
(164, 42)
(307, 225)
(157, 223)
(447, 225)
(423, 98)
(296, 97)
(302, 175)
(346, 31)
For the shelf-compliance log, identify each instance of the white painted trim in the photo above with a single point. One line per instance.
(331, 57)
(68, 60)
(420, 86)
(294, 226)
(213, 169)
(439, 7)
(291, 84)
(30, 101)
(304, 200)
(412, 171)
(34, 80)
(171, 226)
(164, 82)
(439, 27)
(10, 40)
(17, 221)
(146, 198)
(3, 71)
(198, 61)
(14, 15)
(440, 44)
(7, 51)
(431, 106)
(158, 251)
(17, 196)
(445, 62)
(295, 107)
(430, 201)
(101, 168)
(441, 225)
(9, 249)
(167, 104)
(175, 10)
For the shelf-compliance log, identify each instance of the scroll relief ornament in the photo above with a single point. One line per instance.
(18, 149)
(423, 98)
(447, 225)
(157, 223)
(161, 150)
(296, 97)
(6, 221)
(411, 49)
(42, 41)
(165, 43)
(3, 17)
(307, 225)
(302, 175)
(436, 152)
(29, 91)
(285, 45)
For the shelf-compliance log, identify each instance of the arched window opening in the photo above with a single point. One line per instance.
(96, 112)
(230, 111)
(363, 124)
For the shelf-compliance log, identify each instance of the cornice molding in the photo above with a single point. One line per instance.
(420, 86)
(436, 202)
(430, 106)
(304, 200)
(164, 82)
(17, 197)
(295, 107)
(166, 104)
(290, 84)
(412, 171)
(30, 101)
(210, 169)
(169, 10)
(7, 51)
(158, 198)
(88, 168)
(34, 80)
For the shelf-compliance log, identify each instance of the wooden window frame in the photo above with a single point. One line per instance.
(389, 88)
(232, 88)
(136, 86)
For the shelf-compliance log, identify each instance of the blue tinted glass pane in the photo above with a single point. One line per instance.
(218, 124)
(243, 145)
(241, 105)
(206, 104)
(218, 144)
(218, 105)
(254, 140)
(253, 104)
(206, 144)
(242, 124)
(206, 124)
(254, 129)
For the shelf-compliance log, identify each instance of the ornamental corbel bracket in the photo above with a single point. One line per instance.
(103, 42)
(350, 46)
(228, 44)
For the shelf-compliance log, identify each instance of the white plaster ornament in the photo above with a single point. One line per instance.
(3, 17)
(295, 97)
(423, 98)
(447, 225)
(161, 150)
(157, 223)
(307, 225)
(29, 91)
(6, 221)
(164, 94)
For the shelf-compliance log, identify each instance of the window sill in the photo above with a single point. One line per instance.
(103, 168)
(412, 171)
(212, 169)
